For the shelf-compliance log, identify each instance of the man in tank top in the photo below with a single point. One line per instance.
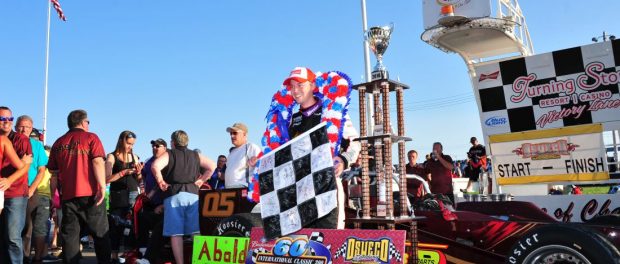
(180, 186)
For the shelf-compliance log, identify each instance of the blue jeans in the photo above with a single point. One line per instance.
(14, 213)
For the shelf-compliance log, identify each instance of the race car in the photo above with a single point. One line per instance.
(514, 232)
(474, 232)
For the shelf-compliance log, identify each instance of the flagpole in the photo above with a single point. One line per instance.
(370, 107)
(47, 60)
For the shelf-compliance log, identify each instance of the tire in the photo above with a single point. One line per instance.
(563, 244)
(607, 220)
(239, 225)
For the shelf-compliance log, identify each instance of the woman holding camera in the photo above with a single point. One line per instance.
(123, 170)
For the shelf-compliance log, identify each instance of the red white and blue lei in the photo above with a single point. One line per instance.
(333, 89)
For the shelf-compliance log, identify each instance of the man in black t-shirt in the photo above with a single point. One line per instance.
(414, 186)
(476, 164)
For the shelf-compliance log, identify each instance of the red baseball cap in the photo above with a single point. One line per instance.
(300, 74)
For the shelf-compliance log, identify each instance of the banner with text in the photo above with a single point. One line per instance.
(565, 154)
(562, 88)
(575, 208)
(324, 246)
(212, 249)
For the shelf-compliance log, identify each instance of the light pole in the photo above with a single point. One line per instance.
(371, 105)
(604, 37)
(47, 62)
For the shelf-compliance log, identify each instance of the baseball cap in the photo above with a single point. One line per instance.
(159, 141)
(35, 133)
(237, 127)
(300, 74)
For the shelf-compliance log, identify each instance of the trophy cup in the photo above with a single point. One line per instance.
(379, 39)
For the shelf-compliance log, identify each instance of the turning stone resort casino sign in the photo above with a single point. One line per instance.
(544, 114)
(563, 88)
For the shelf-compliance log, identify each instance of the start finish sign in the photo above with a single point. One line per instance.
(564, 154)
(211, 249)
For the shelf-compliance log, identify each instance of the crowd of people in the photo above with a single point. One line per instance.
(439, 169)
(69, 182)
(157, 198)
(147, 201)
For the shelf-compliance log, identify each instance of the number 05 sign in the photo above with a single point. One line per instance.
(218, 204)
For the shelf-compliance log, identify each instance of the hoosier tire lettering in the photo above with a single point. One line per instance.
(223, 226)
(529, 241)
(562, 243)
(238, 225)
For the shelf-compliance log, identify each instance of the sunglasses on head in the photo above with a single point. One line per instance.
(6, 118)
(131, 135)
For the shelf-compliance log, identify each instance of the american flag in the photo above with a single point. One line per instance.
(61, 14)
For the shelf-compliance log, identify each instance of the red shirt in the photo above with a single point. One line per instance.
(414, 186)
(72, 156)
(441, 177)
(22, 147)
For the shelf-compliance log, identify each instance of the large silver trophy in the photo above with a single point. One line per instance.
(379, 39)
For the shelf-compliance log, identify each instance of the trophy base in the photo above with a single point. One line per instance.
(381, 210)
(379, 75)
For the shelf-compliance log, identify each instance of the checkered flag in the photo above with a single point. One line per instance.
(317, 236)
(297, 183)
(255, 253)
(340, 252)
(394, 252)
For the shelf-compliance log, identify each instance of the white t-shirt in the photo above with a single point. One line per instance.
(236, 165)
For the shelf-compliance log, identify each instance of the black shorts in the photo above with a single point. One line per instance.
(473, 173)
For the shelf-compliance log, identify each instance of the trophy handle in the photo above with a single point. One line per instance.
(391, 27)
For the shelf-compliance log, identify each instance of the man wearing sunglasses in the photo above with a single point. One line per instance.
(151, 216)
(78, 168)
(242, 157)
(15, 194)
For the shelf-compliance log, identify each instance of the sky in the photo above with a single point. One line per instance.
(153, 67)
